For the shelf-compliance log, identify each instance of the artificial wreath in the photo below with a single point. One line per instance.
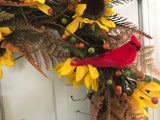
(90, 44)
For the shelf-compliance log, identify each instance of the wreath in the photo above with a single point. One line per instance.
(88, 43)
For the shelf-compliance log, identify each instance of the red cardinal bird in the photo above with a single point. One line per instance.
(117, 58)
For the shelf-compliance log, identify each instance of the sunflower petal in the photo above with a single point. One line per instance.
(107, 1)
(93, 72)
(7, 59)
(151, 86)
(109, 12)
(44, 8)
(1, 73)
(58, 66)
(88, 81)
(86, 20)
(70, 77)
(156, 93)
(67, 68)
(145, 113)
(1, 37)
(81, 71)
(73, 26)
(102, 26)
(143, 99)
(80, 9)
(95, 85)
(40, 1)
(5, 31)
(60, 76)
(76, 84)
(107, 22)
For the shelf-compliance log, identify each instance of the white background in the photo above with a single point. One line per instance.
(28, 95)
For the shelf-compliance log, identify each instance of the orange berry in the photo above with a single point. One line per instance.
(77, 45)
(106, 45)
(71, 7)
(118, 73)
(141, 75)
(155, 100)
(81, 45)
(64, 37)
(118, 90)
(50, 11)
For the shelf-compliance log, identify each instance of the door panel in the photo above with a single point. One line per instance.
(28, 95)
(152, 25)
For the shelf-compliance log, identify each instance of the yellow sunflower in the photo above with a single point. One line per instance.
(86, 74)
(6, 59)
(143, 94)
(5, 54)
(92, 11)
(41, 5)
(4, 31)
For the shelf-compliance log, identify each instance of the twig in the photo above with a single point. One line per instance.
(57, 16)
(54, 23)
(78, 99)
(84, 113)
(25, 18)
(18, 58)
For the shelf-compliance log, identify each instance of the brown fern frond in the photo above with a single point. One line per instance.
(10, 3)
(43, 51)
(5, 16)
(20, 25)
(144, 61)
(96, 101)
(121, 21)
(119, 36)
(119, 110)
(123, 32)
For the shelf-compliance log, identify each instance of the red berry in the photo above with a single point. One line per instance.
(71, 7)
(155, 100)
(106, 45)
(141, 75)
(64, 37)
(118, 90)
(50, 11)
(78, 0)
(118, 73)
(81, 45)
(77, 45)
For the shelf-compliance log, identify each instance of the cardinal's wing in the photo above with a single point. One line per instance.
(105, 63)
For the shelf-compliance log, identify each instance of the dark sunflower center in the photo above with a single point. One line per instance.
(2, 50)
(94, 10)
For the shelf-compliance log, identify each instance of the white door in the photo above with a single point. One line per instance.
(152, 25)
(28, 95)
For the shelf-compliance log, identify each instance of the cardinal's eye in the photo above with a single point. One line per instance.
(138, 47)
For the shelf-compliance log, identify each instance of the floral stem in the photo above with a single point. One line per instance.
(85, 113)
(57, 16)
(54, 23)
